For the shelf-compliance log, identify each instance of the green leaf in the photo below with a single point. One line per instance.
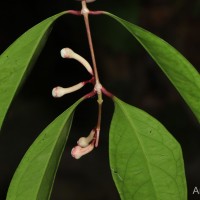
(17, 60)
(145, 160)
(180, 71)
(35, 174)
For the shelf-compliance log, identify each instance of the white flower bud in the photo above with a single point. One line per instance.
(60, 91)
(68, 53)
(85, 141)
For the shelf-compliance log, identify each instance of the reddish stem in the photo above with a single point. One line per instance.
(74, 12)
(90, 94)
(92, 80)
(91, 12)
(98, 12)
(107, 93)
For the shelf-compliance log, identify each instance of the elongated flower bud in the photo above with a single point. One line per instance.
(85, 141)
(69, 53)
(60, 91)
(77, 152)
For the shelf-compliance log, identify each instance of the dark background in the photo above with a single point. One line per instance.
(124, 68)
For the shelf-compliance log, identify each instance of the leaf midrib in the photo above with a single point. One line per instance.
(140, 142)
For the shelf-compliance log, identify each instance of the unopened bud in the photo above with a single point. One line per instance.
(85, 141)
(60, 91)
(77, 152)
(69, 53)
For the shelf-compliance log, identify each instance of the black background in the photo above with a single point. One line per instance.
(124, 68)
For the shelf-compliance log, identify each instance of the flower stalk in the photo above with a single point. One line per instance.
(85, 144)
(85, 11)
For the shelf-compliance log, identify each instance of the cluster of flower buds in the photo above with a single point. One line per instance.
(69, 54)
(84, 144)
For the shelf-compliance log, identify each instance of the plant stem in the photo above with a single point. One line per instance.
(98, 85)
(85, 12)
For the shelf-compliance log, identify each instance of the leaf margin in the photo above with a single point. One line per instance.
(10, 83)
(116, 173)
(21, 172)
(190, 97)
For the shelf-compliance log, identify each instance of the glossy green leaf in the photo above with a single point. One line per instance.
(180, 72)
(145, 160)
(35, 174)
(17, 60)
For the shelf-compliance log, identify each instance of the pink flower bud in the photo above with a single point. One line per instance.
(58, 92)
(77, 152)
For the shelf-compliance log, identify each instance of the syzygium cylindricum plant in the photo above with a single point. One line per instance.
(85, 145)
(145, 159)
